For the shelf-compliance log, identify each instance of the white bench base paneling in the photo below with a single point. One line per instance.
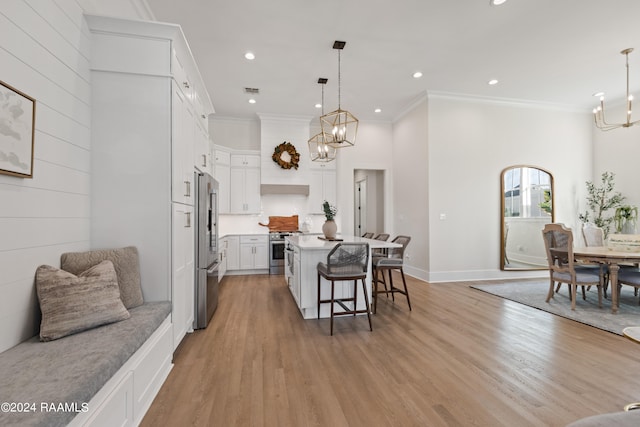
(126, 397)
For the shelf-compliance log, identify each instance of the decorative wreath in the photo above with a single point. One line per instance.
(286, 156)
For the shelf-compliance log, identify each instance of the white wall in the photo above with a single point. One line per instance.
(44, 52)
(470, 142)
(373, 151)
(239, 134)
(618, 151)
(411, 185)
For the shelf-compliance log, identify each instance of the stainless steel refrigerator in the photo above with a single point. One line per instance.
(206, 251)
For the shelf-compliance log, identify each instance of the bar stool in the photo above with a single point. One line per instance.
(393, 261)
(346, 261)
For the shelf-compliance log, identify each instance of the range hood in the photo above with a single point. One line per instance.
(300, 189)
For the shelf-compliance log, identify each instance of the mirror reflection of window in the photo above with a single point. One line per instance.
(526, 197)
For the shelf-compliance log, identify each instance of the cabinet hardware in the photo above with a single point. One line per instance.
(203, 116)
(188, 214)
(188, 188)
(186, 85)
(204, 160)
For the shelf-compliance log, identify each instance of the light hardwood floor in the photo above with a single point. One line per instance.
(461, 358)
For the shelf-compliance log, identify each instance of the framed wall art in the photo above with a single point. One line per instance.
(17, 125)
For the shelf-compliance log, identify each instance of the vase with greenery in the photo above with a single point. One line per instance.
(329, 228)
(600, 200)
(625, 219)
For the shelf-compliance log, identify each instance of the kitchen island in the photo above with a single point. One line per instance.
(303, 253)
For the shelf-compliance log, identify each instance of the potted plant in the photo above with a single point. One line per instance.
(329, 228)
(625, 219)
(600, 200)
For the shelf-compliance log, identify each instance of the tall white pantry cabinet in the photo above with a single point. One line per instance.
(149, 134)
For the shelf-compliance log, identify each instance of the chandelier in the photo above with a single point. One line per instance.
(341, 124)
(319, 148)
(598, 113)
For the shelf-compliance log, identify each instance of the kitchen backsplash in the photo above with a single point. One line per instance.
(272, 205)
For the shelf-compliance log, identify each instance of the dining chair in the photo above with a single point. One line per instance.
(393, 261)
(558, 243)
(630, 276)
(346, 261)
(594, 236)
(368, 235)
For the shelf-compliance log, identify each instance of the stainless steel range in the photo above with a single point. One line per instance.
(276, 250)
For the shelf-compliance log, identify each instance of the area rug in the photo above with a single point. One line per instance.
(534, 293)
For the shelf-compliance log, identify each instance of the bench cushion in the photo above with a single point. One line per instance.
(74, 368)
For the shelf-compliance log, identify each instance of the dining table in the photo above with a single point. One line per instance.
(613, 259)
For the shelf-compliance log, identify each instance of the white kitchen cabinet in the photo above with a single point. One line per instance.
(254, 252)
(245, 160)
(222, 174)
(233, 253)
(322, 187)
(182, 146)
(202, 150)
(245, 184)
(142, 139)
(183, 292)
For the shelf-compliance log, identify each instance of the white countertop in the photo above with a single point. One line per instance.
(312, 242)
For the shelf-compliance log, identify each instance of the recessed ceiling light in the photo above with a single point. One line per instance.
(417, 75)
(493, 82)
(318, 105)
(252, 101)
(250, 56)
(378, 110)
(497, 2)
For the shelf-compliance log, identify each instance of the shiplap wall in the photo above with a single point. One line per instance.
(44, 52)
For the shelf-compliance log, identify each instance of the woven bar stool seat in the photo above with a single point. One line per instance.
(392, 261)
(346, 261)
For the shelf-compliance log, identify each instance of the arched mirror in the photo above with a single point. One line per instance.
(526, 194)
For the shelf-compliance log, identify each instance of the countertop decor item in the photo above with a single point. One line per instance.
(625, 219)
(329, 228)
(286, 156)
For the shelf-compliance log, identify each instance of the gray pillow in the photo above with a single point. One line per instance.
(72, 304)
(125, 261)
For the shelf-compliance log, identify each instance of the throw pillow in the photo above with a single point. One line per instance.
(126, 263)
(71, 304)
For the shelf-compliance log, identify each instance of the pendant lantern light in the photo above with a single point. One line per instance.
(319, 148)
(341, 124)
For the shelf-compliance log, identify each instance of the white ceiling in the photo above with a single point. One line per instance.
(549, 51)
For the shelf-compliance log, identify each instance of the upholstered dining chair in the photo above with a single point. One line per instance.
(629, 276)
(346, 261)
(594, 236)
(393, 261)
(558, 243)
(368, 235)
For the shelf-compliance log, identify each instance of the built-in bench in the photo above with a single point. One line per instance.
(87, 378)
(77, 372)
